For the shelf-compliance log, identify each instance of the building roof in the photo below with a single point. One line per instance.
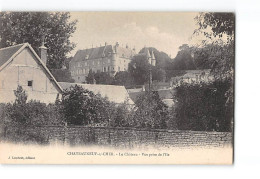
(163, 94)
(9, 53)
(116, 94)
(103, 51)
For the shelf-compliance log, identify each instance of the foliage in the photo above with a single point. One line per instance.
(20, 27)
(123, 78)
(162, 59)
(203, 106)
(151, 112)
(21, 96)
(218, 23)
(103, 78)
(184, 60)
(62, 75)
(83, 107)
(158, 74)
(90, 79)
(139, 69)
(33, 112)
(220, 50)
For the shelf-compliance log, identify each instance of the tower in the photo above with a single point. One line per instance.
(153, 59)
(148, 56)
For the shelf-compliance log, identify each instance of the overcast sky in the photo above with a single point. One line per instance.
(164, 31)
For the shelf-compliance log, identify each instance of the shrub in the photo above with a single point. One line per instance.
(203, 106)
(82, 107)
(151, 112)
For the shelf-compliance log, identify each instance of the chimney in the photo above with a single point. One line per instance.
(43, 51)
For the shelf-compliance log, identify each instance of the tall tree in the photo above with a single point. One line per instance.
(139, 69)
(31, 27)
(184, 60)
(219, 28)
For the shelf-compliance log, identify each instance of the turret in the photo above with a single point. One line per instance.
(153, 59)
(113, 58)
(148, 56)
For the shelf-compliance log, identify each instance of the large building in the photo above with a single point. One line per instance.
(108, 58)
(20, 65)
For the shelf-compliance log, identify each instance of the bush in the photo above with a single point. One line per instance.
(82, 107)
(203, 106)
(151, 112)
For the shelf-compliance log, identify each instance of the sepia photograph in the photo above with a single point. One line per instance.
(117, 87)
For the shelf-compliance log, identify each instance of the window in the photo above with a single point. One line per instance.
(104, 69)
(30, 83)
(108, 68)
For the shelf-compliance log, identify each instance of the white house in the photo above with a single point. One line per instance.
(20, 65)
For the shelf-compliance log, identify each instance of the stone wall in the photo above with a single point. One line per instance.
(123, 137)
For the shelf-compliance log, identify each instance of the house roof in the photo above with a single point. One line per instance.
(103, 51)
(163, 94)
(116, 94)
(9, 53)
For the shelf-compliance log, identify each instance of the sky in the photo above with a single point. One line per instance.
(165, 31)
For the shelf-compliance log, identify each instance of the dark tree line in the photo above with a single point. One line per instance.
(56, 29)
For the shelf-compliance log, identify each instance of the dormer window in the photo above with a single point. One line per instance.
(86, 57)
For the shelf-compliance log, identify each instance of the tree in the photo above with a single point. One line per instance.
(222, 50)
(83, 107)
(103, 78)
(184, 60)
(158, 74)
(31, 27)
(151, 112)
(162, 59)
(218, 23)
(203, 107)
(62, 75)
(90, 79)
(221, 45)
(139, 69)
(123, 78)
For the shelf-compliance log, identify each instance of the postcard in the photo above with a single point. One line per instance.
(117, 87)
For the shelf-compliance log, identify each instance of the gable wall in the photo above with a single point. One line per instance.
(22, 69)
